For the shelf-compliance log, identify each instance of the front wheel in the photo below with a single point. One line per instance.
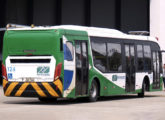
(93, 93)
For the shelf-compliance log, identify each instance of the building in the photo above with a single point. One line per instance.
(157, 25)
(124, 15)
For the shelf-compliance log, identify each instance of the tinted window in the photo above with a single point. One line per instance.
(99, 55)
(147, 57)
(114, 57)
(140, 57)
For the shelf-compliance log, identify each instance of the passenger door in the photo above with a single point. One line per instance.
(130, 67)
(82, 67)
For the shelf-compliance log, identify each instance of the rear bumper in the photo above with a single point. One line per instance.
(33, 89)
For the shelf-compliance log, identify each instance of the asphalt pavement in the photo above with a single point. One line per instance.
(124, 107)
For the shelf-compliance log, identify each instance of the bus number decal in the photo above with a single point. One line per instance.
(11, 69)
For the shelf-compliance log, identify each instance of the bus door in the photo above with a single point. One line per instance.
(156, 70)
(82, 67)
(130, 67)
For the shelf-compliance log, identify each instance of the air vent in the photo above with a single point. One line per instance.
(30, 60)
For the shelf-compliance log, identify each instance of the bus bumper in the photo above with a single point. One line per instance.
(33, 89)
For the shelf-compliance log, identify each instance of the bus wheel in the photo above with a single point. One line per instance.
(43, 99)
(141, 94)
(93, 93)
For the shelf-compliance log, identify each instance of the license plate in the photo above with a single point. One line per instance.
(29, 80)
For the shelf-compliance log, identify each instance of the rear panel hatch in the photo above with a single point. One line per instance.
(27, 42)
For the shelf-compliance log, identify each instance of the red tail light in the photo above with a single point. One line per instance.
(4, 73)
(58, 71)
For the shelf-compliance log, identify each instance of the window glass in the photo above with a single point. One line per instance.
(99, 55)
(114, 57)
(127, 55)
(140, 57)
(68, 51)
(78, 56)
(84, 54)
(147, 57)
(157, 55)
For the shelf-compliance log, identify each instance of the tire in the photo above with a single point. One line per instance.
(42, 99)
(93, 93)
(142, 93)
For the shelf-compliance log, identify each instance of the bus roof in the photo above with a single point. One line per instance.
(92, 31)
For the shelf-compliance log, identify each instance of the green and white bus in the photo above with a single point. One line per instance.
(73, 61)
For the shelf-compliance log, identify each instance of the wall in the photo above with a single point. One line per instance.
(157, 25)
(135, 15)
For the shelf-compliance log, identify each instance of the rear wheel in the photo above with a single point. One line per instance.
(142, 93)
(42, 99)
(93, 93)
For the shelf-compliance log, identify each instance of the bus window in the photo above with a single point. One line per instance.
(140, 57)
(114, 57)
(147, 57)
(68, 51)
(99, 55)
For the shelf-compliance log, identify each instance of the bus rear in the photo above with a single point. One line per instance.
(32, 63)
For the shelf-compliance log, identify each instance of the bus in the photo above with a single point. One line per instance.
(71, 61)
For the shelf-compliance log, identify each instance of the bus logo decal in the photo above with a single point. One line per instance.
(114, 78)
(43, 70)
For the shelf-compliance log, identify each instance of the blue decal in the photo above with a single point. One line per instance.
(68, 75)
(10, 76)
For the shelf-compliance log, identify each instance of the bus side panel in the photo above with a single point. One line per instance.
(107, 87)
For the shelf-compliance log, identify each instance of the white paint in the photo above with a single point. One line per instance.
(25, 71)
(121, 79)
(139, 77)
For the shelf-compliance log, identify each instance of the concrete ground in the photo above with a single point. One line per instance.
(125, 107)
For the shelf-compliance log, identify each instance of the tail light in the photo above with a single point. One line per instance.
(58, 71)
(4, 73)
